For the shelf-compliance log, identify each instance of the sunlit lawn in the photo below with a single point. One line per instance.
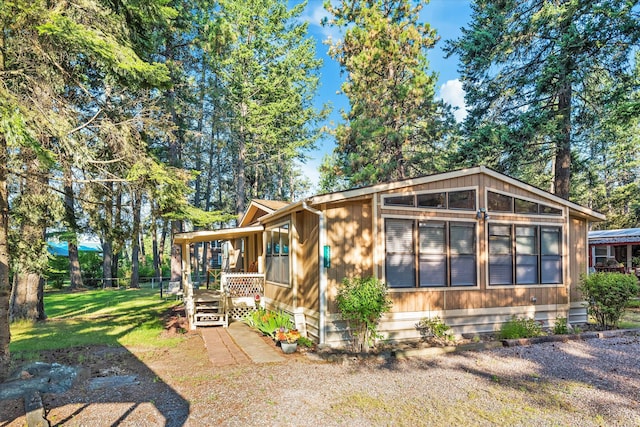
(95, 317)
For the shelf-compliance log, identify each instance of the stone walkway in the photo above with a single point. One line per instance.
(237, 345)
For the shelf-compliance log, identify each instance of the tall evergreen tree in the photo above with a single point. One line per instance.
(269, 75)
(526, 68)
(395, 128)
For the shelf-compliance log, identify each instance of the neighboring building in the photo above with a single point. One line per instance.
(473, 247)
(607, 247)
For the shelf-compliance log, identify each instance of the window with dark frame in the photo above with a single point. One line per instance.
(497, 202)
(458, 200)
(525, 254)
(443, 252)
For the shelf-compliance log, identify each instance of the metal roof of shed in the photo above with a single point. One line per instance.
(611, 237)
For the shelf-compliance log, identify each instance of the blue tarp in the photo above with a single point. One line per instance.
(62, 248)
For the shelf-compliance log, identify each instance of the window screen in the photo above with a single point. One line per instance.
(551, 255)
(433, 254)
(463, 259)
(399, 260)
(500, 255)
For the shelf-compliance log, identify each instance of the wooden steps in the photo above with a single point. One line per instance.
(210, 309)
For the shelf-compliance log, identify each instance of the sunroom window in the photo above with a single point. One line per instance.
(444, 253)
(524, 254)
(277, 256)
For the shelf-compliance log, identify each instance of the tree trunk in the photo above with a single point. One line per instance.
(70, 217)
(28, 284)
(5, 287)
(154, 247)
(107, 261)
(176, 253)
(240, 176)
(563, 145)
(135, 239)
(27, 297)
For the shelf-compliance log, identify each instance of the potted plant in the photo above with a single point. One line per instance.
(288, 340)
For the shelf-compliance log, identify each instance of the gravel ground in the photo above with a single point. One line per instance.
(590, 382)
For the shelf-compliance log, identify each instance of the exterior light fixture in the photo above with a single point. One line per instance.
(482, 214)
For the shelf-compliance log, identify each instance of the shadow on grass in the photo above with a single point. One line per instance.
(93, 344)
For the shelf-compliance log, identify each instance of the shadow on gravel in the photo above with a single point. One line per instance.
(111, 386)
(555, 369)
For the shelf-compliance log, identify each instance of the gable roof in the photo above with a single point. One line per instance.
(258, 208)
(396, 185)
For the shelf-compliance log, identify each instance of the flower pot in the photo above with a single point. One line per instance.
(288, 348)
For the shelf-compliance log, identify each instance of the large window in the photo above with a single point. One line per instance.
(430, 253)
(277, 258)
(524, 254)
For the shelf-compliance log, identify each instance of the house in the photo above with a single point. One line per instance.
(619, 247)
(473, 246)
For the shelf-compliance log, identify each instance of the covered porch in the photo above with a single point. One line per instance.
(238, 287)
(615, 250)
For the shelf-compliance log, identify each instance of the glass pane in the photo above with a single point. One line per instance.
(550, 241)
(525, 206)
(432, 238)
(499, 245)
(526, 269)
(548, 210)
(399, 201)
(399, 235)
(435, 200)
(284, 269)
(462, 239)
(499, 202)
(463, 270)
(284, 239)
(601, 251)
(400, 271)
(500, 272)
(433, 270)
(462, 200)
(551, 269)
(500, 230)
(526, 241)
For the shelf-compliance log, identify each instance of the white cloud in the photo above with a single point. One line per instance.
(314, 13)
(452, 93)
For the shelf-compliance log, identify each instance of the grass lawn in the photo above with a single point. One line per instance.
(93, 317)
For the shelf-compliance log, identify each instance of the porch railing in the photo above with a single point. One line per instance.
(242, 284)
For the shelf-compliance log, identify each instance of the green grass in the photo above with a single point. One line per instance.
(95, 317)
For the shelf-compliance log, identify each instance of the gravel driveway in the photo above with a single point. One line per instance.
(590, 382)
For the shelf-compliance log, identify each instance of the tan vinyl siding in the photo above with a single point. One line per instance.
(308, 280)
(579, 259)
(350, 238)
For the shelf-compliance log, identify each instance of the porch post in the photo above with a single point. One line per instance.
(187, 286)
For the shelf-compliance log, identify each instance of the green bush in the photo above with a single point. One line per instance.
(607, 295)
(433, 326)
(520, 328)
(362, 302)
(561, 327)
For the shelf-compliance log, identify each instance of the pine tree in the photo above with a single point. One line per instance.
(269, 74)
(395, 128)
(527, 69)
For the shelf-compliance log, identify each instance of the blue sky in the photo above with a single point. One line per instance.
(445, 16)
